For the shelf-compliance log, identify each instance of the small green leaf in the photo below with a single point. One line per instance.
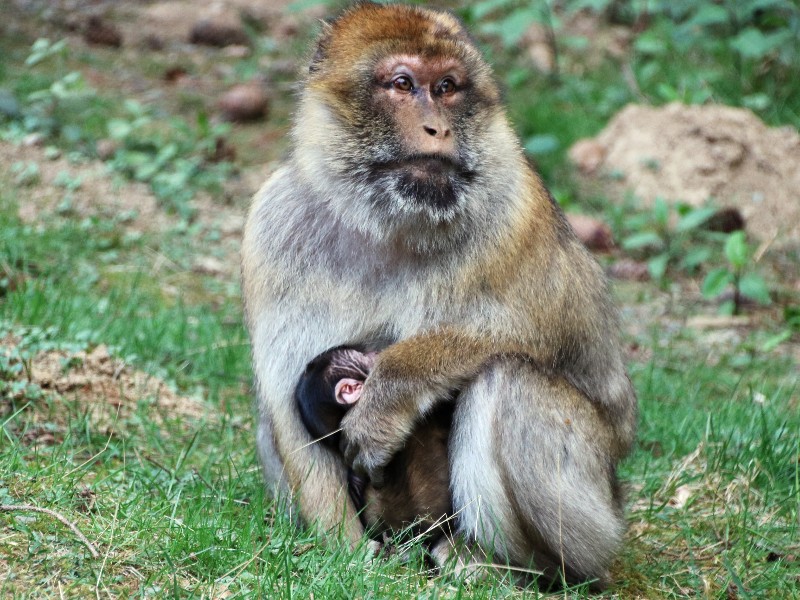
(301, 5)
(118, 129)
(666, 92)
(642, 240)
(694, 218)
(753, 286)
(166, 154)
(776, 340)
(542, 144)
(42, 49)
(514, 26)
(716, 282)
(696, 257)
(146, 171)
(517, 77)
(657, 266)
(480, 10)
(753, 43)
(727, 307)
(575, 42)
(736, 250)
(134, 107)
(710, 14)
(650, 43)
(757, 101)
(661, 212)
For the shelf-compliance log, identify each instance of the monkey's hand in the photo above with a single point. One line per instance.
(373, 431)
(409, 377)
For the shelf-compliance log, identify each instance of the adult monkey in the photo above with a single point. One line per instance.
(408, 218)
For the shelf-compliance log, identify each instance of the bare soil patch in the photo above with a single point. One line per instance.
(103, 386)
(698, 153)
(100, 193)
(96, 191)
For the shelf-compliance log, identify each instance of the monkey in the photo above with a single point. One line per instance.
(330, 385)
(415, 498)
(408, 219)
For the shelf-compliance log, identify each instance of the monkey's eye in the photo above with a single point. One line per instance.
(402, 83)
(446, 86)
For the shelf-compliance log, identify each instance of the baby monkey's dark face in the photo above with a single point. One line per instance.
(329, 387)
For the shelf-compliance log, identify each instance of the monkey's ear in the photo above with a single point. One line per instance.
(321, 51)
(348, 391)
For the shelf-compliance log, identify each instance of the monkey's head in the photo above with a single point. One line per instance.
(329, 387)
(394, 120)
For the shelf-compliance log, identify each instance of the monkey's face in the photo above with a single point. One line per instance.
(397, 109)
(421, 101)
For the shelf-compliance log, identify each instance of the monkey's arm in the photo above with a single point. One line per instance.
(408, 378)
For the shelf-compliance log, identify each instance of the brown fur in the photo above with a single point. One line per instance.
(416, 491)
(416, 494)
(489, 293)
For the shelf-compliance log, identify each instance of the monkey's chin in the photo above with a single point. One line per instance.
(436, 191)
(424, 184)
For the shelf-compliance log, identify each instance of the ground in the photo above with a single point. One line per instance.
(125, 387)
(699, 154)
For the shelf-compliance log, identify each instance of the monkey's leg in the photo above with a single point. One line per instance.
(532, 479)
(271, 464)
(307, 476)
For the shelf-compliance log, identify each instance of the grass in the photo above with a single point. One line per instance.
(173, 500)
(176, 507)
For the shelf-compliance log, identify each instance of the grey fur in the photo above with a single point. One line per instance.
(331, 259)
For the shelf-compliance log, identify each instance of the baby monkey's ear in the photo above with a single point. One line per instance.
(348, 391)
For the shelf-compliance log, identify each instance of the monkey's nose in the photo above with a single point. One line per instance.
(437, 132)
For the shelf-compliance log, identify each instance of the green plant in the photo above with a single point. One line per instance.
(791, 326)
(757, 38)
(26, 173)
(744, 284)
(513, 19)
(18, 346)
(666, 244)
(174, 158)
(51, 108)
(175, 163)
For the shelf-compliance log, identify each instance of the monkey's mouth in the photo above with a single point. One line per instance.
(429, 179)
(423, 165)
(430, 164)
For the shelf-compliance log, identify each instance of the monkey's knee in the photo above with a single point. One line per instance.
(532, 474)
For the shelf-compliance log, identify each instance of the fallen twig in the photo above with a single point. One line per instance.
(52, 513)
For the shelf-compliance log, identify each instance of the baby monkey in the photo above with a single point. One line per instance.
(415, 494)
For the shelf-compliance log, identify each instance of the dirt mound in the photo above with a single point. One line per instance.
(696, 153)
(105, 387)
